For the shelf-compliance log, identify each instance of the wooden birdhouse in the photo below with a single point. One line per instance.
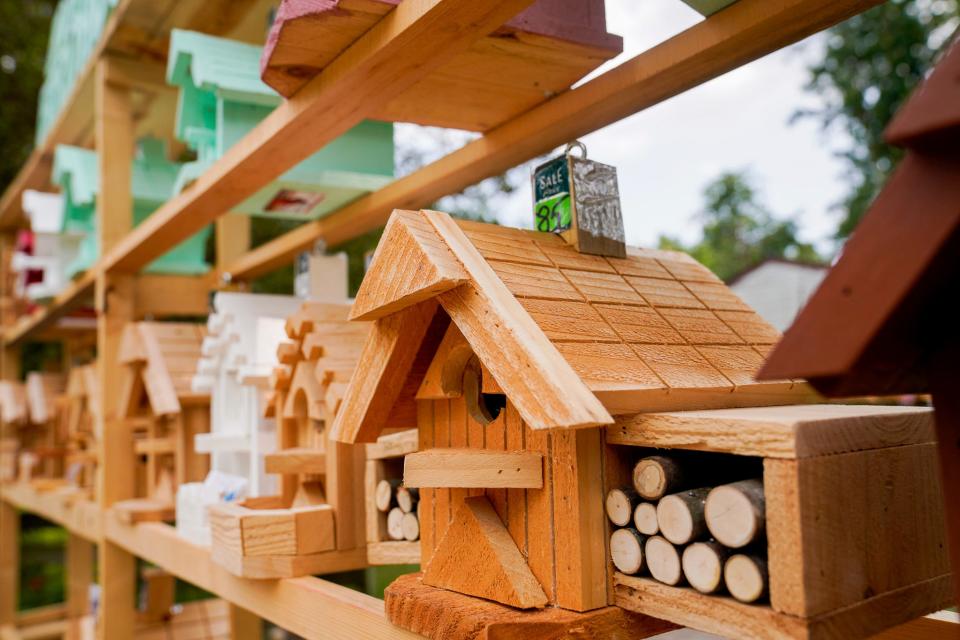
(13, 416)
(542, 51)
(77, 413)
(43, 437)
(75, 170)
(53, 249)
(164, 414)
(531, 371)
(239, 353)
(222, 98)
(316, 522)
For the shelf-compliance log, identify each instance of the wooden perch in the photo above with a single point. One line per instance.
(626, 550)
(645, 519)
(478, 557)
(746, 577)
(680, 516)
(620, 505)
(663, 560)
(295, 461)
(736, 513)
(656, 476)
(473, 469)
(703, 565)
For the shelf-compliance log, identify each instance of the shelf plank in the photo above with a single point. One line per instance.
(65, 508)
(743, 32)
(407, 44)
(309, 607)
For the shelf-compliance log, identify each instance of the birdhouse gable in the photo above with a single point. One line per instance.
(569, 338)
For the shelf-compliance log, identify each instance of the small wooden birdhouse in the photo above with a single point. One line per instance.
(239, 353)
(75, 170)
(163, 412)
(528, 370)
(316, 522)
(222, 98)
(53, 248)
(78, 410)
(13, 415)
(42, 436)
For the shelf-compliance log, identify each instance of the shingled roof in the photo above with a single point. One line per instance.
(168, 353)
(573, 338)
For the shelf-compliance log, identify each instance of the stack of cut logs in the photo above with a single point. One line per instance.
(402, 506)
(680, 531)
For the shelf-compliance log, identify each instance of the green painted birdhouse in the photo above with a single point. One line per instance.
(222, 98)
(75, 170)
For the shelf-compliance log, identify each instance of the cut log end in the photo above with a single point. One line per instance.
(703, 566)
(620, 504)
(735, 513)
(645, 519)
(653, 477)
(384, 495)
(663, 560)
(680, 516)
(395, 523)
(407, 498)
(746, 577)
(626, 550)
(410, 526)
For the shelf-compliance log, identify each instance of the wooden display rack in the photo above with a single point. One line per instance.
(376, 69)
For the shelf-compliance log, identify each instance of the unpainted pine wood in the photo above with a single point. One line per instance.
(9, 563)
(296, 461)
(515, 500)
(79, 575)
(826, 553)
(394, 445)
(477, 440)
(478, 557)
(495, 439)
(442, 509)
(244, 625)
(411, 265)
(344, 486)
(444, 376)
(387, 359)
(426, 431)
(395, 552)
(439, 614)
(296, 531)
(579, 523)
(798, 431)
(232, 237)
(540, 532)
(459, 439)
(549, 394)
(473, 469)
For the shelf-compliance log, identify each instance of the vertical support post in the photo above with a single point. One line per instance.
(233, 239)
(79, 575)
(9, 564)
(115, 308)
(244, 625)
(942, 381)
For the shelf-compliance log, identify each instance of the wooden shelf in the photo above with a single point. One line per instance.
(77, 515)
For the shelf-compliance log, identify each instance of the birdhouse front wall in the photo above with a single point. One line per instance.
(559, 529)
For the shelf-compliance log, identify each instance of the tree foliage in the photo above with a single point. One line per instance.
(24, 28)
(870, 65)
(739, 231)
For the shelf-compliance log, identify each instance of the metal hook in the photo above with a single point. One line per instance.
(576, 144)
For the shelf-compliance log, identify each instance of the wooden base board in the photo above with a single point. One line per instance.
(393, 552)
(294, 566)
(144, 510)
(727, 617)
(445, 615)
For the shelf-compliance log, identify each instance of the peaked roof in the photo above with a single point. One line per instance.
(168, 354)
(572, 338)
(42, 390)
(13, 402)
(328, 349)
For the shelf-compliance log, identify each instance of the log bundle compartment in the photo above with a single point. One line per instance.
(392, 510)
(852, 526)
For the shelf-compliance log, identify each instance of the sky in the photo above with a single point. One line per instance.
(667, 154)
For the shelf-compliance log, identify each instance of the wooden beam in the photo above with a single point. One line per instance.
(745, 31)
(295, 461)
(79, 575)
(407, 44)
(309, 607)
(78, 292)
(164, 295)
(9, 563)
(473, 469)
